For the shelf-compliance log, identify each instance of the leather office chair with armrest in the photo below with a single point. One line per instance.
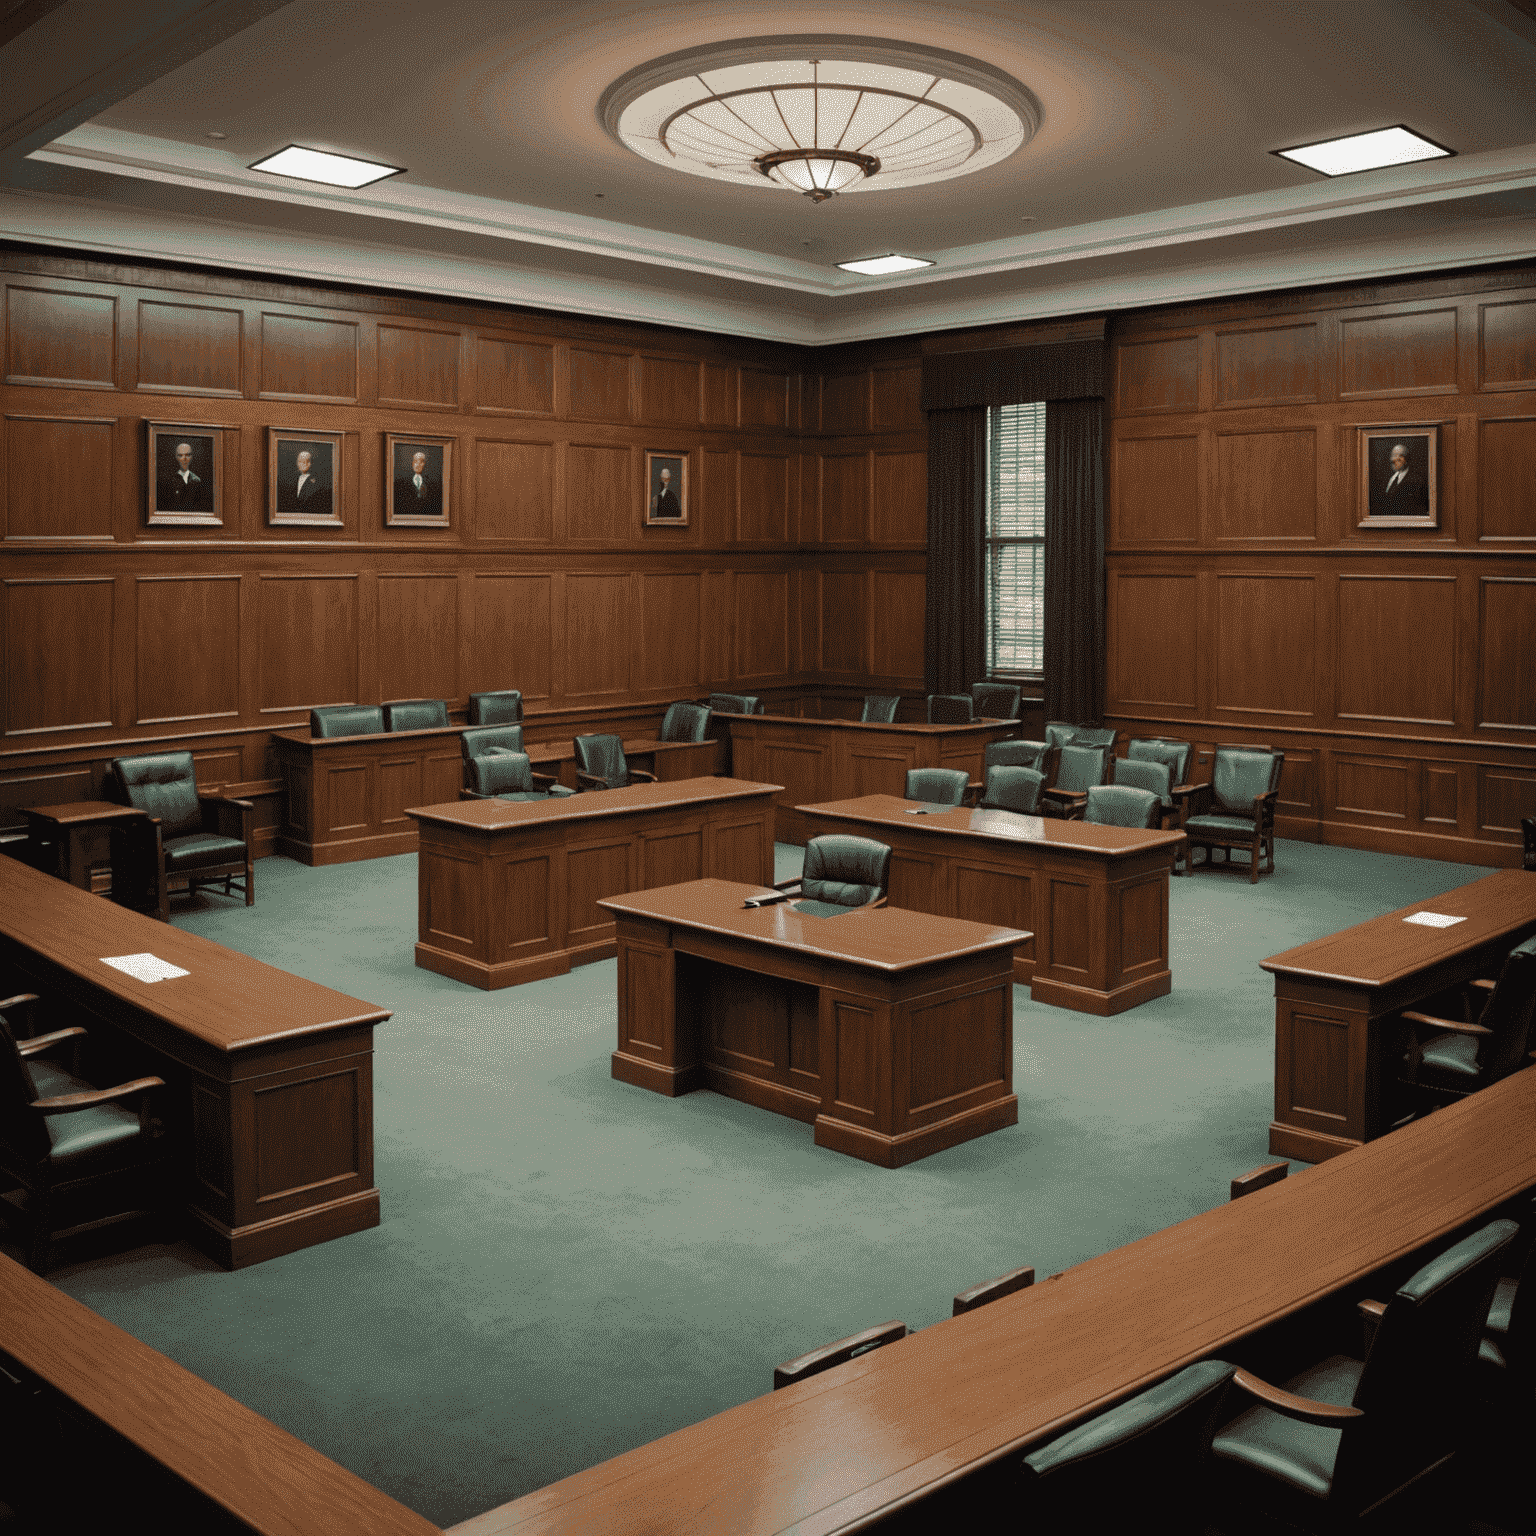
(416, 715)
(332, 720)
(483, 740)
(1344, 1435)
(995, 701)
(1118, 805)
(199, 838)
(1236, 809)
(1142, 773)
(937, 786)
(504, 706)
(64, 1141)
(601, 764)
(1062, 733)
(735, 704)
(841, 874)
(1013, 789)
(949, 709)
(1507, 1353)
(1175, 756)
(1042, 756)
(1078, 769)
(1446, 1059)
(684, 721)
(880, 708)
(510, 776)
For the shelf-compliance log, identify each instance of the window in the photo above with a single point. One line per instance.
(1016, 540)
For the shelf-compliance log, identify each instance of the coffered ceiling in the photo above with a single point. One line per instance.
(1150, 179)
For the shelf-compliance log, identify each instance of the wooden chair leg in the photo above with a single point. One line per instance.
(250, 882)
(1253, 860)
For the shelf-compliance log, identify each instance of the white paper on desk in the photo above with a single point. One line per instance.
(145, 967)
(1434, 919)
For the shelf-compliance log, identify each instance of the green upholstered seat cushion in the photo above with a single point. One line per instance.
(90, 1136)
(824, 908)
(937, 786)
(1495, 1341)
(847, 871)
(477, 740)
(1301, 1455)
(504, 706)
(1239, 776)
(1173, 755)
(200, 850)
(1119, 805)
(1237, 826)
(1453, 1055)
(162, 784)
(50, 1079)
(685, 722)
(346, 720)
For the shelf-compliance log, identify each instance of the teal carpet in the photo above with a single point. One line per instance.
(569, 1267)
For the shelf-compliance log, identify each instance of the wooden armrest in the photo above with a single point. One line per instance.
(640, 773)
(1258, 1178)
(1453, 1026)
(784, 885)
(1307, 1409)
(69, 1103)
(1481, 982)
(544, 780)
(1371, 1309)
(590, 780)
(835, 1354)
(40, 1043)
(471, 794)
(974, 1296)
(239, 805)
(869, 906)
(20, 999)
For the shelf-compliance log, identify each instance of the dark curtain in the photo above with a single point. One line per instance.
(1061, 370)
(954, 641)
(1074, 560)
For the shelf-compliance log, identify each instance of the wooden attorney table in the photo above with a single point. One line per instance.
(1336, 997)
(1095, 898)
(269, 1077)
(888, 1031)
(837, 759)
(347, 795)
(508, 891)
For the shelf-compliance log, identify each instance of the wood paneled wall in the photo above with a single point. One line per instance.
(1395, 667)
(802, 562)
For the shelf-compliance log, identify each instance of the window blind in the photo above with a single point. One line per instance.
(1016, 540)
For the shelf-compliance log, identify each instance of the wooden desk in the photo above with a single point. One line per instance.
(269, 1077)
(234, 1462)
(891, 1033)
(839, 759)
(1335, 996)
(1095, 898)
(872, 1436)
(508, 891)
(68, 828)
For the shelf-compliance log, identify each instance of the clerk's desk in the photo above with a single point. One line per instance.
(269, 1078)
(818, 759)
(1334, 996)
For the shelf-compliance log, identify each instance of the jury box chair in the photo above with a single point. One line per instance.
(735, 704)
(1079, 768)
(880, 708)
(949, 709)
(501, 775)
(503, 706)
(841, 873)
(685, 721)
(995, 701)
(1062, 733)
(937, 786)
(1009, 788)
(601, 764)
(199, 839)
(331, 720)
(1236, 809)
(416, 715)
(1119, 805)
(75, 1157)
(483, 740)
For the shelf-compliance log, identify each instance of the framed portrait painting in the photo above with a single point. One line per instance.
(1399, 476)
(418, 480)
(666, 490)
(185, 474)
(304, 477)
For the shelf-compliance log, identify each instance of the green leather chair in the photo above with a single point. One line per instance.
(1078, 769)
(949, 709)
(1013, 789)
(601, 764)
(504, 706)
(818, 1360)
(1507, 1353)
(880, 708)
(1175, 756)
(481, 740)
(1062, 734)
(937, 786)
(995, 701)
(841, 873)
(1236, 809)
(1042, 756)
(1142, 773)
(1446, 1059)
(735, 704)
(202, 839)
(75, 1150)
(1119, 805)
(346, 720)
(416, 715)
(1143, 1460)
(1346, 1434)
(509, 776)
(684, 721)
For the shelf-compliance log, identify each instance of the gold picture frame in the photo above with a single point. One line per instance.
(666, 482)
(406, 505)
(1399, 476)
(304, 477)
(185, 463)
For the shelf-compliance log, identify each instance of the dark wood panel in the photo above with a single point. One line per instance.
(514, 376)
(1506, 478)
(58, 478)
(1155, 489)
(1508, 345)
(1403, 354)
(1397, 652)
(896, 633)
(897, 397)
(1152, 661)
(1507, 692)
(1373, 786)
(762, 624)
(1506, 797)
(1266, 485)
(418, 367)
(764, 398)
(1271, 365)
(669, 390)
(60, 338)
(308, 637)
(1265, 644)
(600, 497)
(418, 637)
(190, 348)
(900, 511)
(1441, 797)
(187, 648)
(844, 497)
(763, 509)
(718, 401)
(58, 668)
(514, 490)
(599, 385)
(308, 359)
(1162, 375)
(599, 635)
(510, 640)
(669, 631)
(843, 623)
(715, 498)
(845, 402)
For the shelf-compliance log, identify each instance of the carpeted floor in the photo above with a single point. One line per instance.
(569, 1267)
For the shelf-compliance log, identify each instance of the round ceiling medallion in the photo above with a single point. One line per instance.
(822, 116)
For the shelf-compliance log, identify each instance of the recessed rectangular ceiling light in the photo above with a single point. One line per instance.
(317, 165)
(1365, 151)
(879, 266)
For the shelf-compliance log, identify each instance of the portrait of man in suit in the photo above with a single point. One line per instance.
(1400, 469)
(418, 481)
(304, 490)
(668, 488)
(183, 474)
